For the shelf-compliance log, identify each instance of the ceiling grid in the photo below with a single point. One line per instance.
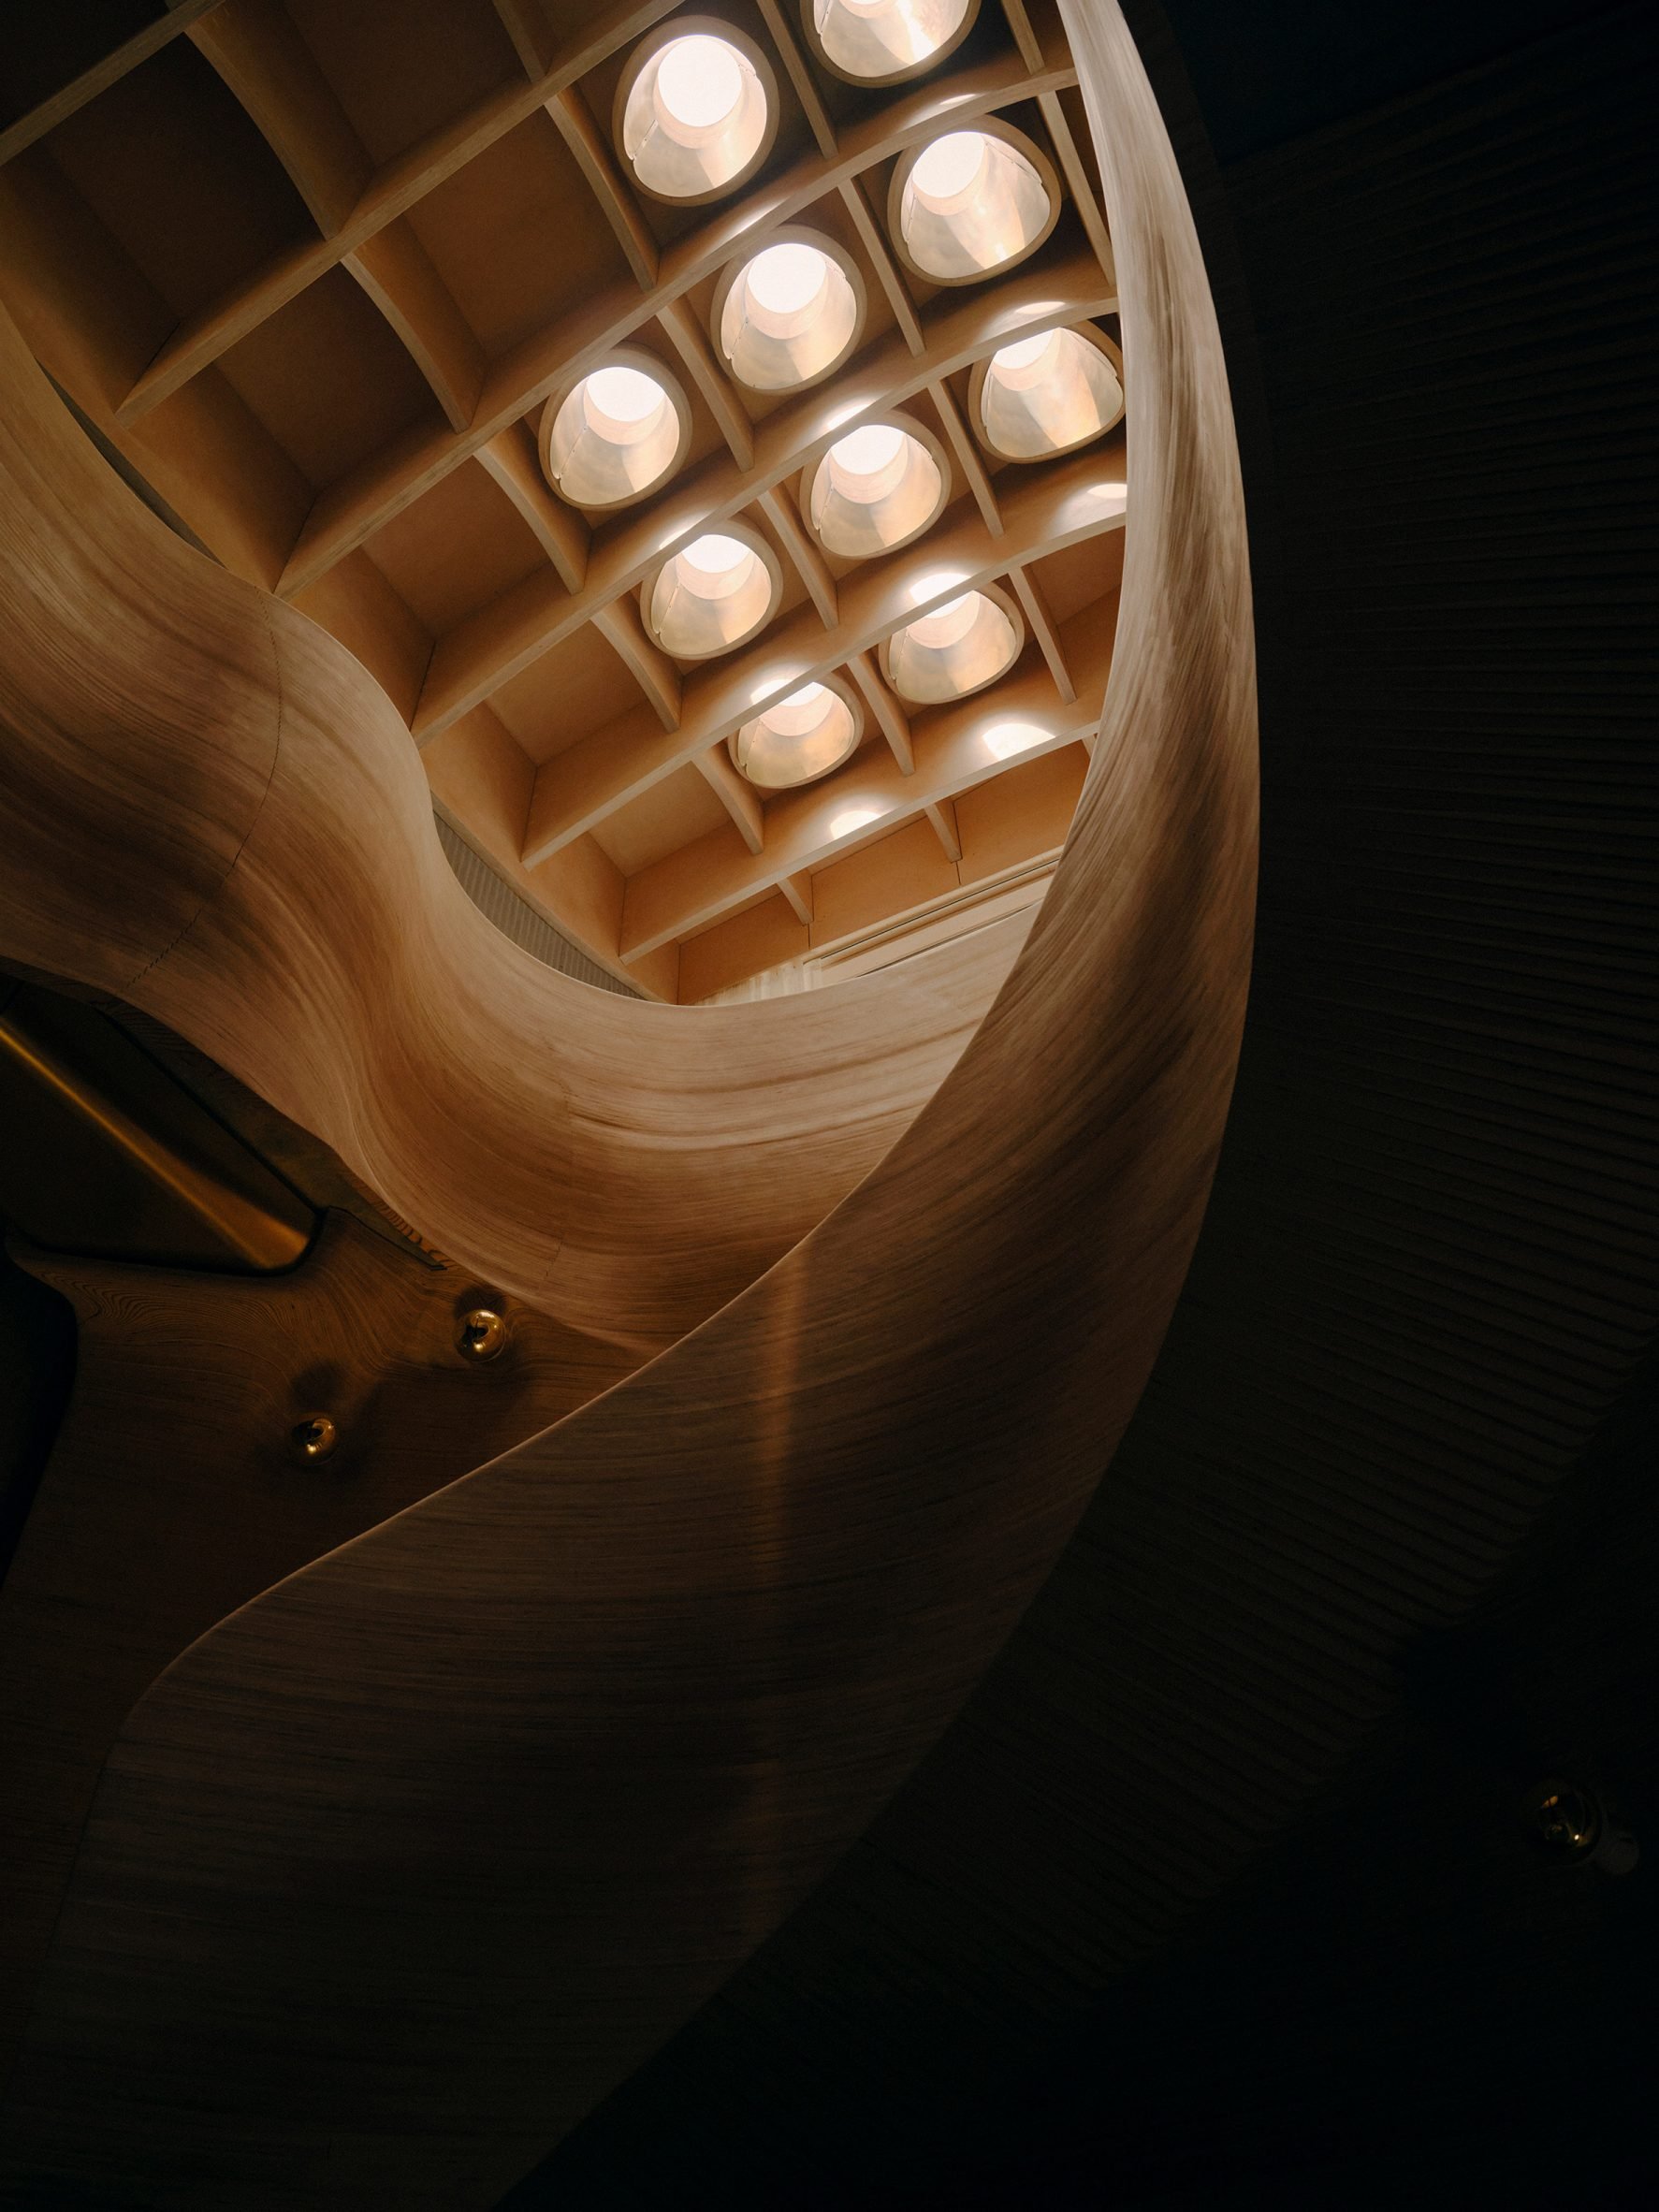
(415, 229)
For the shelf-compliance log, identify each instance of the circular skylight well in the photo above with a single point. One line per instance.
(799, 737)
(616, 433)
(971, 203)
(1046, 394)
(696, 109)
(955, 648)
(879, 486)
(883, 41)
(789, 313)
(713, 594)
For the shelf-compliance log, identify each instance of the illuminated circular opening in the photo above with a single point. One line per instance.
(713, 594)
(615, 435)
(953, 650)
(867, 453)
(717, 561)
(621, 396)
(880, 41)
(787, 282)
(876, 488)
(789, 314)
(699, 82)
(971, 203)
(1047, 395)
(1025, 354)
(947, 625)
(798, 739)
(696, 112)
(949, 167)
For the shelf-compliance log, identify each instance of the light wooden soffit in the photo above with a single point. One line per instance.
(956, 749)
(493, 645)
(584, 784)
(351, 510)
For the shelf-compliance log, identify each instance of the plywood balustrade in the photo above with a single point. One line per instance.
(410, 1859)
(172, 1496)
(243, 797)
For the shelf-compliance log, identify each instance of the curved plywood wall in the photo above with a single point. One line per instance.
(402, 1866)
(220, 818)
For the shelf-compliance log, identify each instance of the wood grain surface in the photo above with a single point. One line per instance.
(314, 305)
(406, 1862)
(172, 1494)
(217, 815)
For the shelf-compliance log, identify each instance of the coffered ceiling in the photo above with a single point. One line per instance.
(331, 275)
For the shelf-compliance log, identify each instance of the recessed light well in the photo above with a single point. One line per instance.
(971, 203)
(876, 488)
(798, 739)
(955, 648)
(1046, 394)
(697, 110)
(884, 41)
(789, 313)
(615, 434)
(714, 594)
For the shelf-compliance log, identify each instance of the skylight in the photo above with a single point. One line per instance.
(877, 488)
(617, 435)
(971, 203)
(800, 737)
(954, 650)
(696, 112)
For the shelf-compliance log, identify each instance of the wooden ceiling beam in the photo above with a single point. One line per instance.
(396, 272)
(121, 62)
(1029, 594)
(392, 191)
(941, 815)
(510, 458)
(956, 748)
(1077, 179)
(797, 891)
(502, 638)
(780, 512)
(800, 75)
(894, 722)
(855, 199)
(591, 149)
(968, 456)
(256, 51)
(621, 626)
(1024, 38)
(527, 27)
(585, 784)
(353, 507)
(690, 340)
(735, 794)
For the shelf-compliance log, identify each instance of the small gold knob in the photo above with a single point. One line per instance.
(482, 1334)
(1563, 1820)
(313, 1438)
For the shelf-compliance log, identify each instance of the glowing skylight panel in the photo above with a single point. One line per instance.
(696, 112)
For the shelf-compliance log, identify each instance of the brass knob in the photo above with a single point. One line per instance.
(482, 1334)
(1563, 1819)
(313, 1438)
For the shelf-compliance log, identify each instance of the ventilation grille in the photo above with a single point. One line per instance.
(516, 918)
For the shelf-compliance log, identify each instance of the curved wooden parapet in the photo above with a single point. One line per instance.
(213, 812)
(402, 1867)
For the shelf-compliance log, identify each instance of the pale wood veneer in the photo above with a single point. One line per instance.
(408, 1861)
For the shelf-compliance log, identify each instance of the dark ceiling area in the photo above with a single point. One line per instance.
(1218, 1894)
